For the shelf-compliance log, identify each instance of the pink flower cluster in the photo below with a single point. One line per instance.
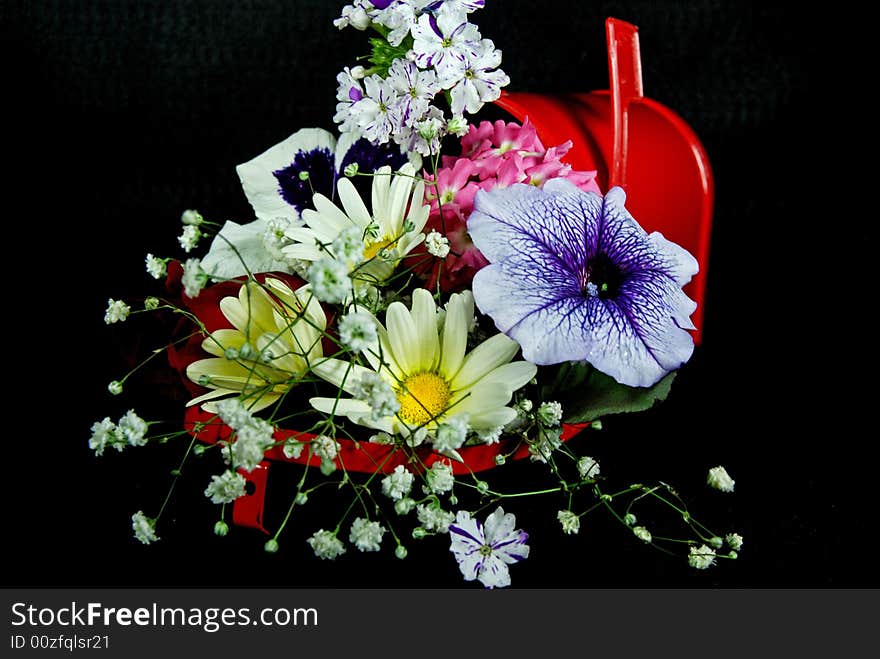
(493, 155)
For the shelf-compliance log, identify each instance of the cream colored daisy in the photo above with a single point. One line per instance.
(422, 356)
(389, 233)
(277, 337)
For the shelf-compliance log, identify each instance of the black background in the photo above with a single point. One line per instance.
(119, 115)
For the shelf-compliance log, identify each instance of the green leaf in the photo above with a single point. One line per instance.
(587, 395)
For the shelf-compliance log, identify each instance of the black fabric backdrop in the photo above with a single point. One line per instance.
(119, 115)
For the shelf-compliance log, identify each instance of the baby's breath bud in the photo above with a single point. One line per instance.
(400, 552)
(716, 542)
(419, 532)
(351, 170)
(629, 519)
(482, 487)
(271, 546)
(115, 387)
(303, 176)
(231, 354)
(301, 499)
(221, 528)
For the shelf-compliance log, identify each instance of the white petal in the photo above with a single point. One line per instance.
(352, 202)
(424, 314)
(485, 358)
(344, 375)
(455, 332)
(403, 337)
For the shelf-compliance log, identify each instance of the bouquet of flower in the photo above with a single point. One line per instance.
(421, 298)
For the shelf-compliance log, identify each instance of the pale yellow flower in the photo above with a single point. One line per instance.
(423, 357)
(276, 337)
(390, 231)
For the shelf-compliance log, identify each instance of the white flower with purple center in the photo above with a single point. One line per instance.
(377, 114)
(484, 552)
(482, 81)
(416, 90)
(445, 42)
(573, 277)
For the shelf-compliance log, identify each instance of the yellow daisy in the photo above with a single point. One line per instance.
(277, 337)
(422, 355)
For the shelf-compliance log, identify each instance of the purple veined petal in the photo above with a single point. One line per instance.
(513, 549)
(381, 4)
(499, 525)
(494, 573)
(355, 94)
(574, 277)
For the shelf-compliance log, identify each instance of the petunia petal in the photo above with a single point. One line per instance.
(547, 246)
(258, 176)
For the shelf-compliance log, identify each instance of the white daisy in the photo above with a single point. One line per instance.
(276, 338)
(422, 356)
(390, 232)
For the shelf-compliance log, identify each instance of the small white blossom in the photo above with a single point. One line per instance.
(275, 238)
(587, 467)
(194, 277)
(451, 434)
(226, 488)
(292, 448)
(366, 535)
(457, 126)
(133, 429)
(570, 522)
(720, 479)
(330, 280)
(378, 394)
(550, 414)
(404, 506)
(642, 533)
(354, 15)
(156, 267)
(701, 557)
(115, 387)
(437, 244)
(326, 545)
(144, 528)
(349, 245)
(104, 433)
(233, 413)
(357, 331)
(549, 439)
(251, 443)
(191, 218)
(325, 447)
(434, 518)
(382, 438)
(489, 435)
(117, 311)
(189, 239)
(734, 541)
(398, 483)
(439, 478)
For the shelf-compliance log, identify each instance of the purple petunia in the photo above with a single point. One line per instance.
(484, 552)
(573, 277)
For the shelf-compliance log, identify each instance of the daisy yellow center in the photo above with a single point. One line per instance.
(372, 249)
(423, 397)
